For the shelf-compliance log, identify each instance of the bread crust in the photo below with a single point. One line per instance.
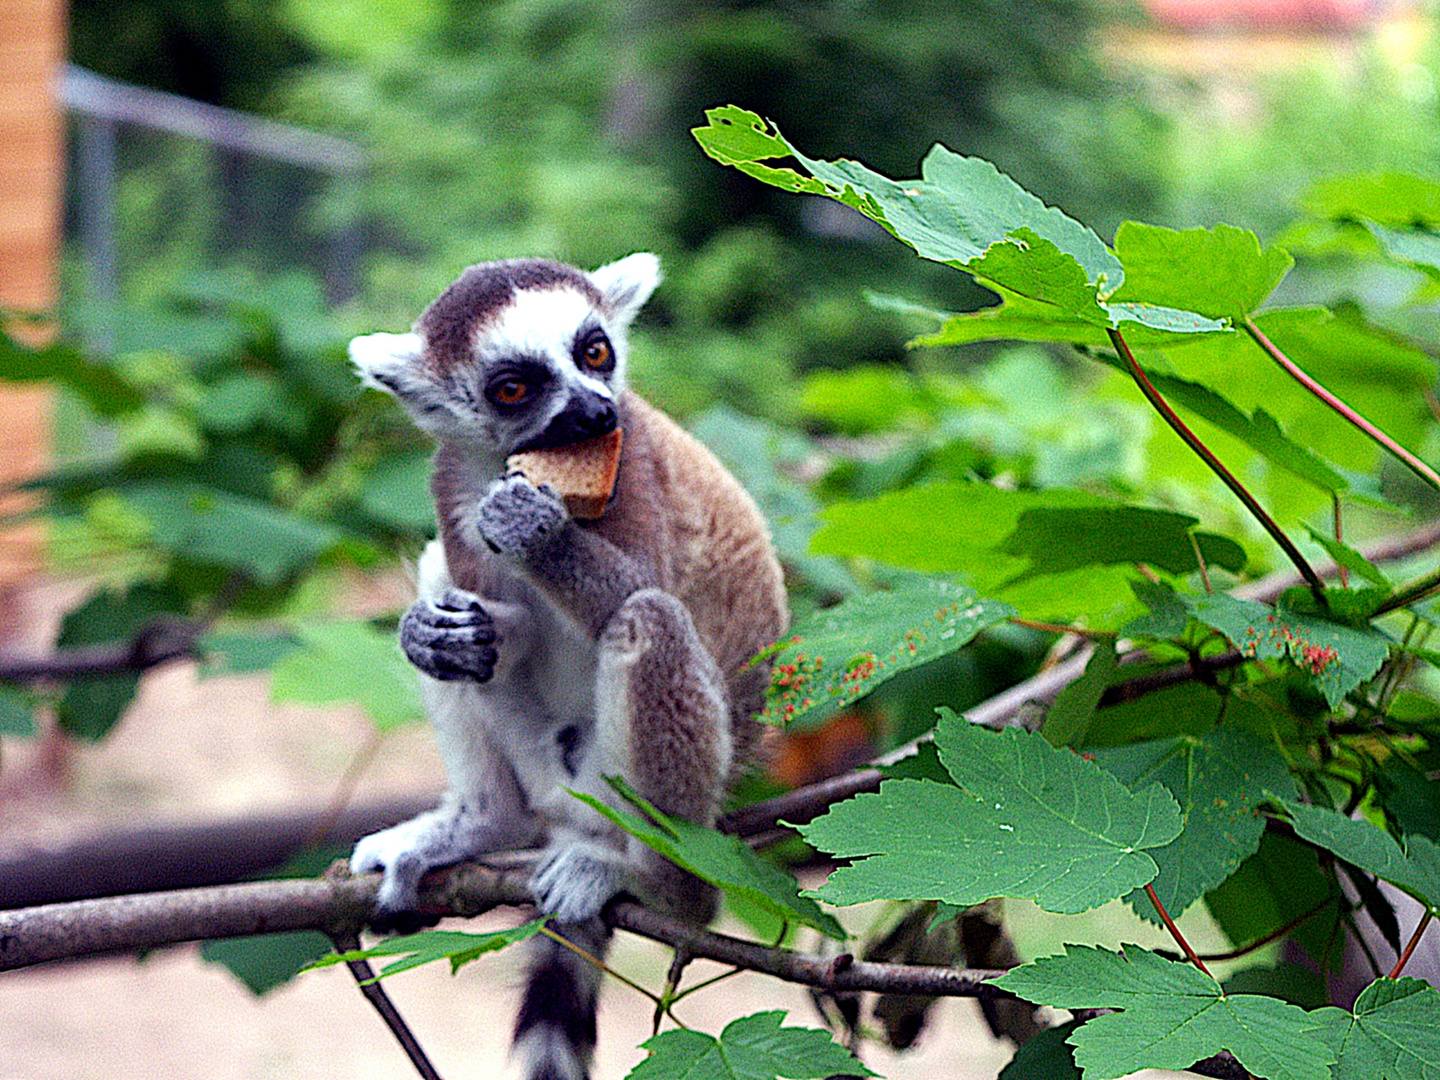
(583, 474)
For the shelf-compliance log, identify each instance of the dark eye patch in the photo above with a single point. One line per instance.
(516, 384)
(593, 352)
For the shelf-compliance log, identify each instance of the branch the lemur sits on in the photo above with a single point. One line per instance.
(555, 652)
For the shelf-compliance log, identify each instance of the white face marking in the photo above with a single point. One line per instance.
(542, 323)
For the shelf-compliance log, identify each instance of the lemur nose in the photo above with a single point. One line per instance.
(600, 420)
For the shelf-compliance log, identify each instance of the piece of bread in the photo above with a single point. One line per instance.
(583, 474)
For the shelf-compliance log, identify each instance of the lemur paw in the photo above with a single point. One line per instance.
(452, 639)
(572, 884)
(398, 899)
(515, 514)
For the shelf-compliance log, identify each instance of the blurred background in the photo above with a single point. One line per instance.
(201, 200)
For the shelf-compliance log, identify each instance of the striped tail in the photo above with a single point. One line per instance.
(555, 1031)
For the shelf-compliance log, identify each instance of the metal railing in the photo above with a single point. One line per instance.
(102, 106)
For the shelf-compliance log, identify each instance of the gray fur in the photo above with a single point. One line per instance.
(555, 653)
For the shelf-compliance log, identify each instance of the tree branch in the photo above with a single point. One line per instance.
(338, 904)
(157, 643)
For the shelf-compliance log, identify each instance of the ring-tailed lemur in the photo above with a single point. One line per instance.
(553, 652)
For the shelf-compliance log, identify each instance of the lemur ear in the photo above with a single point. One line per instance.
(627, 283)
(384, 360)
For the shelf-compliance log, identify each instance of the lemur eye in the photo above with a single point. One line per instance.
(509, 392)
(597, 354)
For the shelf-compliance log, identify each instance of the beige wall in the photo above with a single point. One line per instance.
(32, 34)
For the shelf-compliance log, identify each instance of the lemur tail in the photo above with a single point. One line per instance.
(555, 1031)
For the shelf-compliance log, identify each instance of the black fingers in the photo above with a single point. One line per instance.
(451, 640)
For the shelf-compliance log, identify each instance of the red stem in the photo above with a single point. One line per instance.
(1410, 947)
(1175, 931)
(1193, 441)
(1418, 467)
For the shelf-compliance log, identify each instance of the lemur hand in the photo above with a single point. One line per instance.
(515, 516)
(450, 640)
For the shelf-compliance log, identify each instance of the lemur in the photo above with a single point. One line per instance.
(553, 652)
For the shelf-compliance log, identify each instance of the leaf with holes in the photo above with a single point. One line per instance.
(1172, 1016)
(455, 946)
(1337, 658)
(837, 656)
(752, 1048)
(1026, 820)
(727, 862)
(1220, 780)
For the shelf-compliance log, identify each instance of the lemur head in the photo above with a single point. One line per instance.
(516, 355)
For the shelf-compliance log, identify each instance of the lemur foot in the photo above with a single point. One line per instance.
(516, 515)
(573, 884)
(450, 640)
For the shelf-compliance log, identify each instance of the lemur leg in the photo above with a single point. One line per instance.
(662, 724)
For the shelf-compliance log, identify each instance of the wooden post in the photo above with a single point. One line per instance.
(32, 51)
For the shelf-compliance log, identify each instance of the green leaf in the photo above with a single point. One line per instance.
(1399, 200)
(415, 949)
(1058, 539)
(837, 656)
(16, 715)
(966, 527)
(1346, 556)
(1016, 318)
(1173, 1016)
(758, 453)
(1414, 867)
(229, 653)
(205, 524)
(751, 1048)
(349, 661)
(265, 961)
(1069, 717)
(1027, 820)
(91, 707)
(1418, 249)
(101, 388)
(959, 207)
(1260, 431)
(397, 492)
(1191, 708)
(1337, 658)
(1392, 1034)
(1033, 267)
(1220, 272)
(1220, 780)
(727, 862)
(1046, 1056)
(1168, 617)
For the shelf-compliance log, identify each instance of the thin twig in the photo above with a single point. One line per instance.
(1274, 935)
(1418, 467)
(1217, 467)
(1175, 931)
(591, 958)
(1200, 562)
(375, 994)
(1410, 945)
(1062, 629)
